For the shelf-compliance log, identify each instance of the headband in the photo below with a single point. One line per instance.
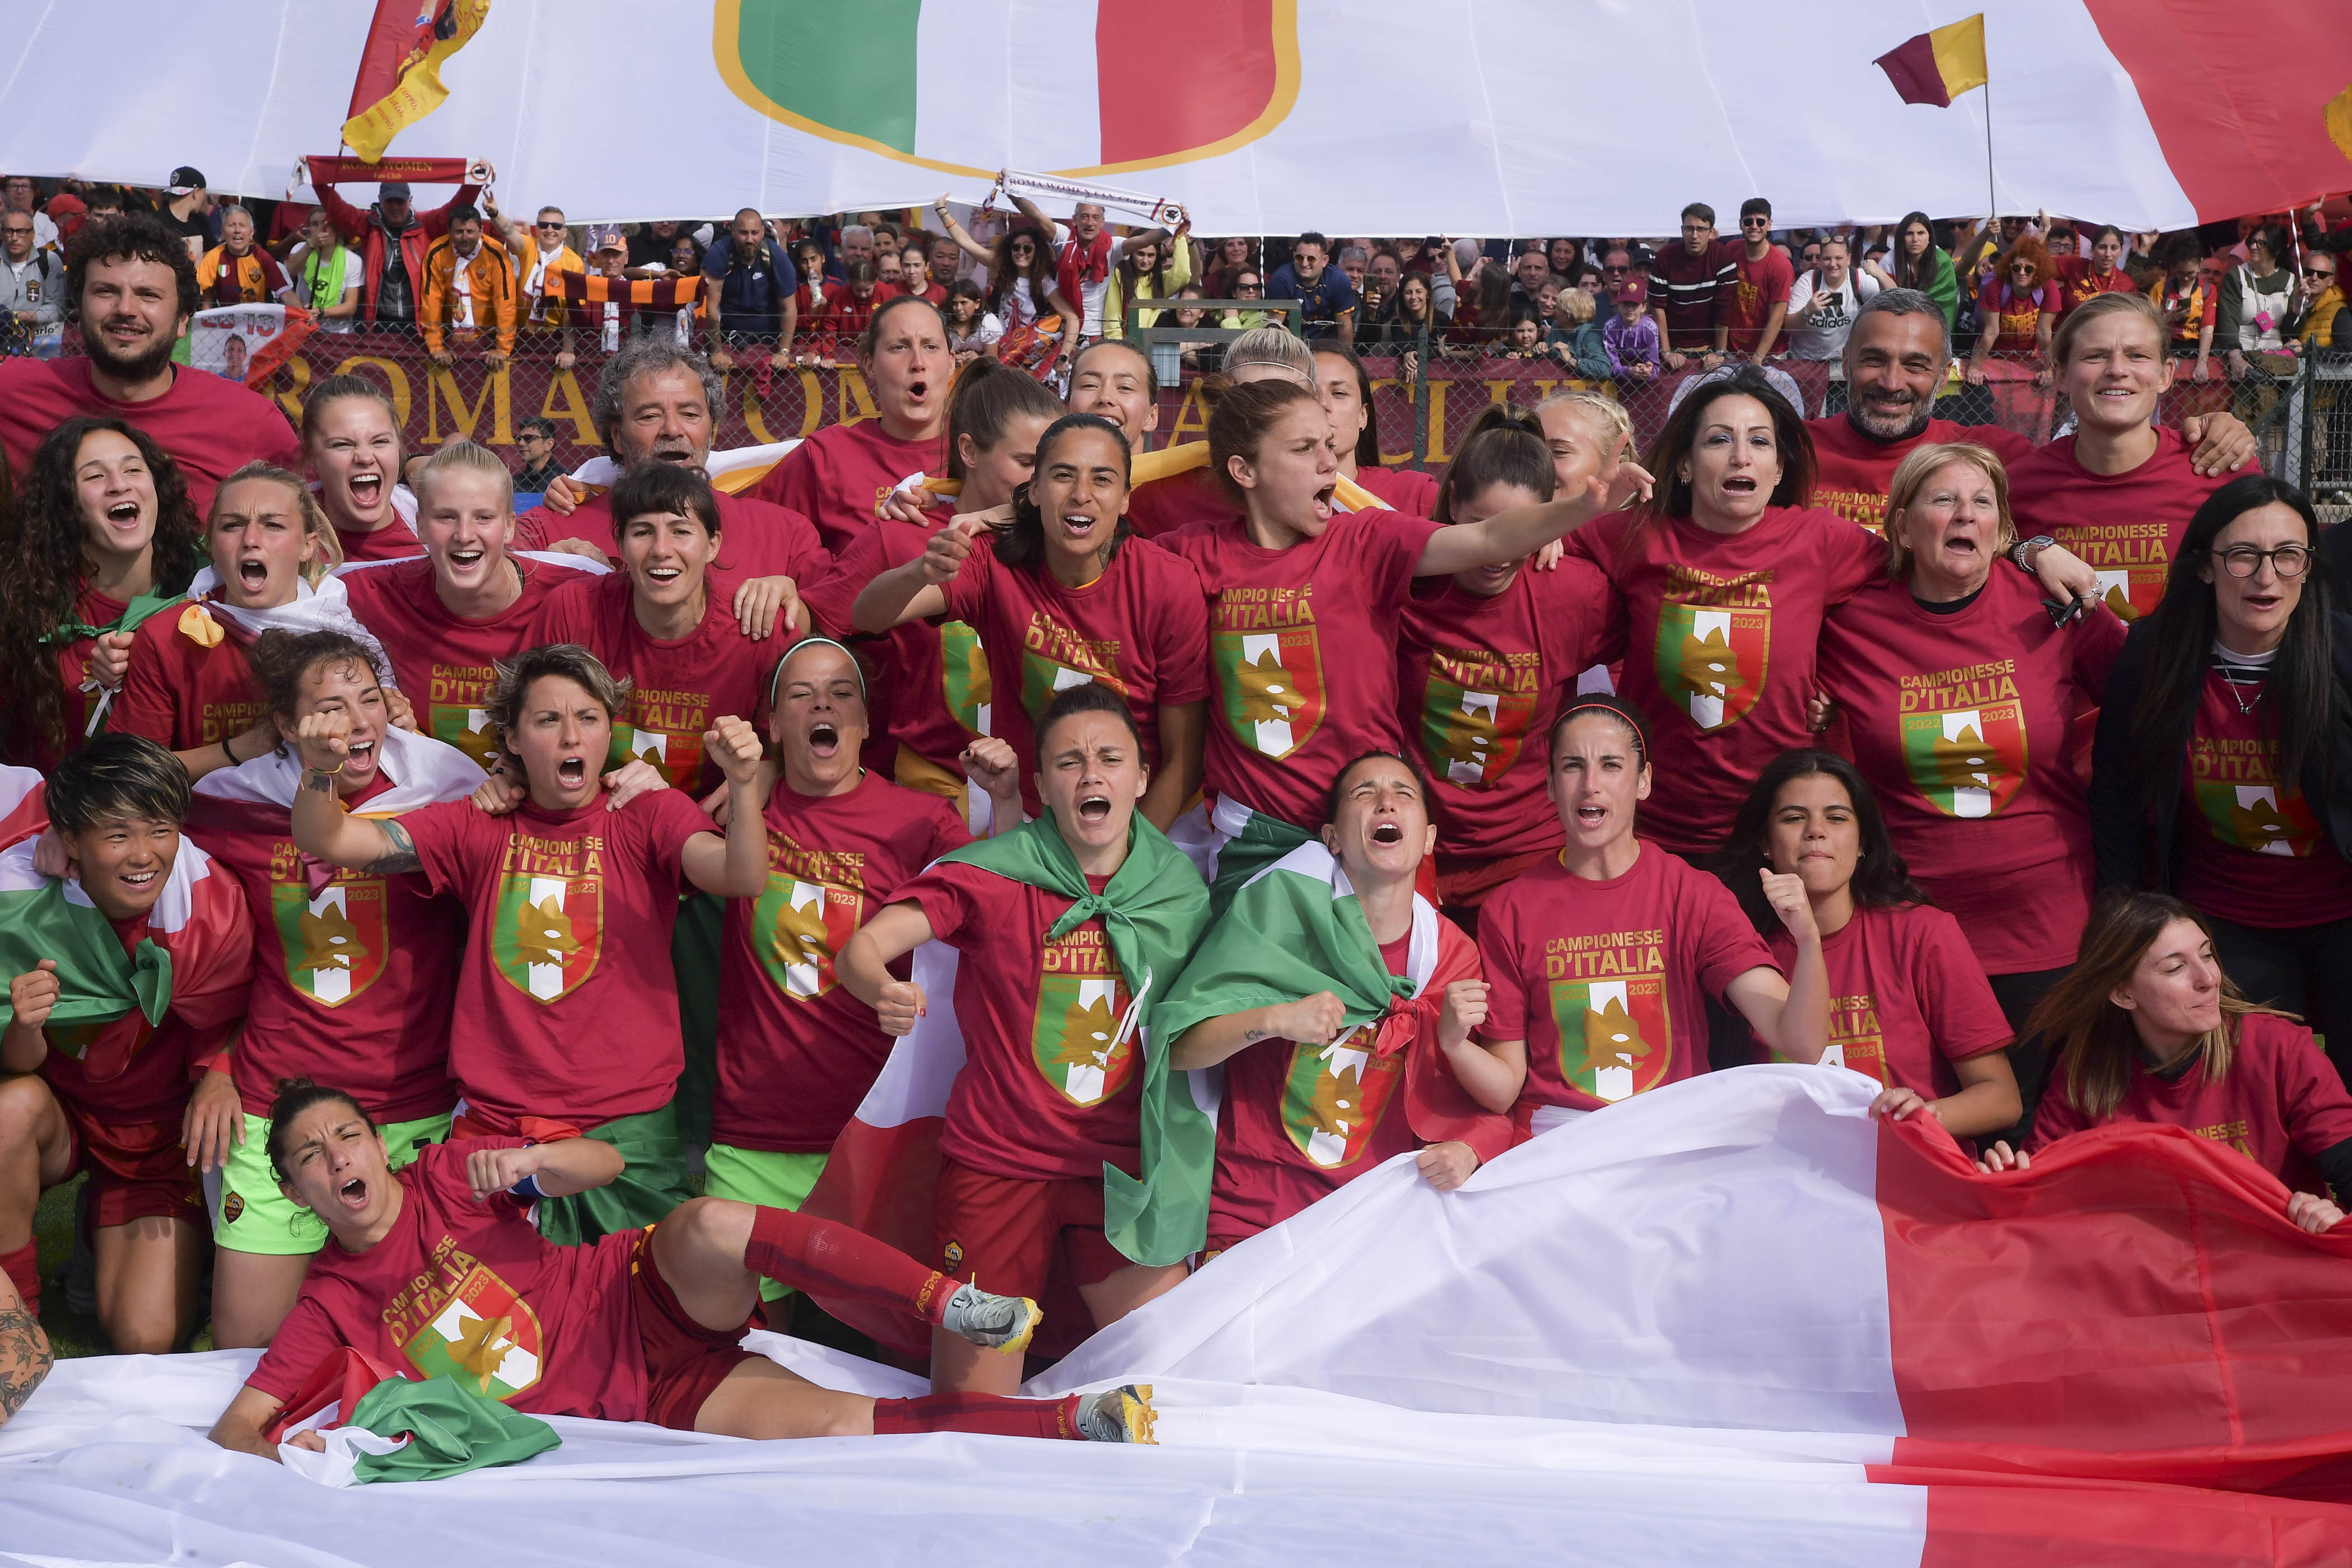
(1305, 378)
(775, 680)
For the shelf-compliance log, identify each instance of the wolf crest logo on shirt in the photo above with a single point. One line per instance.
(1968, 762)
(1081, 1002)
(334, 944)
(1714, 643)
(1474, 715)
(1272, 684)
(1335, 1096)
(480, 1332)
(549, 933)
(801, 927)
(1616, 1037)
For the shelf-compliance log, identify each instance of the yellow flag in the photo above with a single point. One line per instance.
(418, 91)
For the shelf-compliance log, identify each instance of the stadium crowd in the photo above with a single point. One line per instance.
(415, 905)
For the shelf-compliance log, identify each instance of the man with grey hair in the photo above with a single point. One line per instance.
(857, 244)
(1896, 354)
(657, 403)
(236, 271)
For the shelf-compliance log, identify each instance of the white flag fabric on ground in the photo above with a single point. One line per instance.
(1701, 1326)
(1482, 117)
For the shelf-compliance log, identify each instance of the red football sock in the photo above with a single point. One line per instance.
(828, 1259)
(991, 1413)
(24, 1268)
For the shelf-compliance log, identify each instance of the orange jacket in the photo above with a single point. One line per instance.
(490, 275)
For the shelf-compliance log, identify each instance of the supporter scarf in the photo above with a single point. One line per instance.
(1296, 929)
(536, 284)
(652, 293)
(324, 285)
(1079, 266)
(461, 278)
(1153, 910)
(325, 608)
(47, 917)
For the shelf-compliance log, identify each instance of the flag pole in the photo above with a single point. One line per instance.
(1992, 192)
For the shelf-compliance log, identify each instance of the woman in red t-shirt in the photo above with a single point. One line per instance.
(101, 536)
(1346, 388)
(848, 308)
(350, 442)
(1062, 596)
(641, 1326)
(355, 971)
(1960, 699)
(2085, 277)
(1908, 1002)
(2149, 1028)
(2018, 307)
(1602, 957)
(1303, 600)
(1484, 657)
(188, 686)
(2224, 770)
(839, 477)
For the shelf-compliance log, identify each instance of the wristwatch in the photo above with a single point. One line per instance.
(2022, 553)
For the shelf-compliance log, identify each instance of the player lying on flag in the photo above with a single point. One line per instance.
(124, 974)
(1332, 991)
(435, 1269)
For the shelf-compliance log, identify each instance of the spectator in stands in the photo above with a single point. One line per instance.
(236, 271)
(1154, 266)
(18, 194)
(1352, 261)
(947, 259)
(392, 237)
(469, 287)
(1564, 255)
(186, 210)
(1413, 320)
(1683, 282)
(1631, 338)
(2184, 303)
(2100, 272)
(751, 292)
(914, 273)
(1085, 251)
(1382, 276)
(1749, 311)
(1917, 263)
(1824, 302)
(1329, 299)
(1529, 273)
(2017, 309)
(973, 332)
(536, 437)
(32, 282)
(855, 244)
(1023, 286)
(1575, 336)
(1236, 254)
(540, 252)
(325, 275)
(2323, 296)
(2255, 312)
(848, 307)
(891, 270)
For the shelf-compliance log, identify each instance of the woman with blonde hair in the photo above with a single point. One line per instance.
(2149, 1028)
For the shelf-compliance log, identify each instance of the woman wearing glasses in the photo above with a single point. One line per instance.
(2223, 771)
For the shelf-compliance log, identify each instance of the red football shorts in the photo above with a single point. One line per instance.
(684, 1360)
(1010, 1236)
(135, 1172)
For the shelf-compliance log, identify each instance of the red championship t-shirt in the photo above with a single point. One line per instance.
(1963, 723)
(756, 538)
(1480, 680)
(1408, 490)
(1606, 982)
(396, 540)
(930, 689)
(2081, 281)
(1158, 508)
(1907, 998)
(1744, 302)
(180, 693)
(353, 977)
(1851, 471)
(94, 610)
(467, 1287)
(2126, 525)
(797, 1051)
(2252, 850)
(2280, 1104)
(1303, 642)
(567, 1001)
(442, 662)
(1047, 1090)
(1720, 646)
(681, 685)
(839, 477)
(1142, 628)
(1297, 1123)
(211, 426)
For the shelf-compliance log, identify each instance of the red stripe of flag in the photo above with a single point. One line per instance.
(1911, 67)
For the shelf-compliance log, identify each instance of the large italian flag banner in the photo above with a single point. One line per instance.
(1258, 116)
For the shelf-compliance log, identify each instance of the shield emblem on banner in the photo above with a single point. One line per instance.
(1616, 1038)
(1272, 685)
(468, 729)
(549, 932)
(1968, 762)
(1335, 1096)
(484, 1335)
(1078, 1020)
(2258, 817)
(334, 944)
(1711, 662)
(1471, 737)
(963, 676)
(800, 928)
(900, 82)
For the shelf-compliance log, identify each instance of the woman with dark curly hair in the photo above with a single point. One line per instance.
(101, 536)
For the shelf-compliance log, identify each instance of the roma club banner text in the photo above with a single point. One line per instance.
(1481, 117)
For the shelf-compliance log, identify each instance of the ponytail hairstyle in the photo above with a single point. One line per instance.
(1882, 879)
(1238, 427)
(315, 526)
(2093, 1039)
(295, 1096)
(987, 397)
(1505, 446)
(1023, 543)
(1368, 440)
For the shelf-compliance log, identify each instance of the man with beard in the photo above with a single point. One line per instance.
(654, 403)
(1895, 357)
(131, 285)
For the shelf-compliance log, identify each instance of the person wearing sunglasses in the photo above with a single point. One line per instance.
(1749, 310)
(1309, 278)
(2323, 302)
(32, 282)
(2222, 771)
(541, 250)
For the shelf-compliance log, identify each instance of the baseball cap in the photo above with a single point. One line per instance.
(185, 179)
(605, 237)
(1631, 293)
(392, 190)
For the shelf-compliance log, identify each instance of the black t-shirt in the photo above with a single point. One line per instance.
(395, 300)
(195, 225)
(647, 248)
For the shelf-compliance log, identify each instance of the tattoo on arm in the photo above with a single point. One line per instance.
(24, 1358)
(401, 856)
(1252, 1036)
(319, 784)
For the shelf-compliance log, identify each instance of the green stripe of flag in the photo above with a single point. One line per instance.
(850, 67)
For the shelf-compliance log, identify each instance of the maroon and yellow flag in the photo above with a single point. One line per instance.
(399, 81)
(1937, 67)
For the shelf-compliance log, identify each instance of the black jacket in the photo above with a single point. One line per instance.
(2137, 845)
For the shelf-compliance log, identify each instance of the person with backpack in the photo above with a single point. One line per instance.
(749, 293)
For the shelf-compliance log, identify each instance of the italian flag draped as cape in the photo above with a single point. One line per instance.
(884, 1165)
